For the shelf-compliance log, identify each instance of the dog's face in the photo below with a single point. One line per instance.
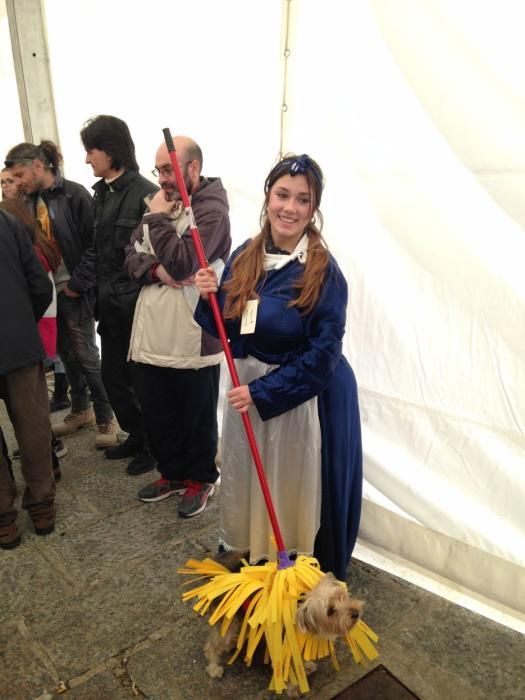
(327, 610)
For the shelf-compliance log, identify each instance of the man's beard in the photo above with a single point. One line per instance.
(174, 194)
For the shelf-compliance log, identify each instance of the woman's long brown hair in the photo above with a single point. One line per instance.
(19, 210)
(248, 268)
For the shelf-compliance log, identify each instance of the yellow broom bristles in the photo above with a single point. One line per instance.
(270, 596)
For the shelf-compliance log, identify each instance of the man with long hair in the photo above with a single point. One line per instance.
(118, 207)
(64, 211)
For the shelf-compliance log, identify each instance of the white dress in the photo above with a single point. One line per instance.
(290, 447)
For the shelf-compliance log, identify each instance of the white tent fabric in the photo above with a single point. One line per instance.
(435, 264)
(415, 109)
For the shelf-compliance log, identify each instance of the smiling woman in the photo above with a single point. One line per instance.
(283, 299)
(289, 209)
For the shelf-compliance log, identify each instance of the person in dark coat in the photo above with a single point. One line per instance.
(63, 209)
(118, 208)
(25, 293)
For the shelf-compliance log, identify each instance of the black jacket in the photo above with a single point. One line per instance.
(70, 208)
(118, 208)
(25, 293)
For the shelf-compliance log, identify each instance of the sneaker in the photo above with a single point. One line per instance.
(73, 422)
(160, 489)
(129, 448)
(195, 498)
(58, 447)
(106, 435)
(141, 463)
(9, 536)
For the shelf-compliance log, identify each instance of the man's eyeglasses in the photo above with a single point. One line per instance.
(167, 170)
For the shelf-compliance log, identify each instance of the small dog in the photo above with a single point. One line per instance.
(327, 611)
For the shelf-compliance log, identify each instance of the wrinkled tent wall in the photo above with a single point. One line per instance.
(435, 265)
(183, 65)
(416, 111)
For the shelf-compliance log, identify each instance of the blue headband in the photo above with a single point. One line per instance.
(297, 165)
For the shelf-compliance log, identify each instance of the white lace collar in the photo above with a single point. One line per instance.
(275, 261)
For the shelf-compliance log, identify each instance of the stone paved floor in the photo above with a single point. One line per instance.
(94, 610)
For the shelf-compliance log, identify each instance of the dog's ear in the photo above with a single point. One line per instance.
(310, 610)
(232, 559)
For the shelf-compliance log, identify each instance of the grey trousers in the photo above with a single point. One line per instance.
(26, 397)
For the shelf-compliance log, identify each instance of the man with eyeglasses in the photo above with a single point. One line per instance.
(178, 362)
(118, 207)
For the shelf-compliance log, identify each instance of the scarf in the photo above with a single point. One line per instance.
(42, 216)
(276, 261)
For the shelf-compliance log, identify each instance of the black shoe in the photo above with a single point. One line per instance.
(142, 463)
(58, 447)
(129, 448)
(60, 399)
(58, 404)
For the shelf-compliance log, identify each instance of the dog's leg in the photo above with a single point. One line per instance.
(292, 691)
(216, 645)
(310, 667)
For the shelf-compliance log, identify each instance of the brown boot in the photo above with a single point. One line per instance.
(73, 422)
(9, 536)
(106, 435)
(44, 522)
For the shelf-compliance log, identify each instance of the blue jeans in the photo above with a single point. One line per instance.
(79, 352)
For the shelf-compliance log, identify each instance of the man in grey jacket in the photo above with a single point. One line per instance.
(178, 362)
(25, 294)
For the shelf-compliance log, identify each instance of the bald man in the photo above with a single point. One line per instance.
(178, 362)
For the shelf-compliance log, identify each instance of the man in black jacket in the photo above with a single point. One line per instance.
(118, 208)
(64, 211)
(25, 294)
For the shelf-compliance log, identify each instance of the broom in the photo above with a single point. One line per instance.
(269, 593)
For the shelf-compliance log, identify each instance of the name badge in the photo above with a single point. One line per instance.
(249, 317)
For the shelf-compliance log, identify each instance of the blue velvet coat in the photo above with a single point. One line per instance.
(308, 350)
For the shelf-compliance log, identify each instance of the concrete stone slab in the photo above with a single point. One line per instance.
(27, 577)
(173, 668)
(425, 678)
(379, 590)
(84, 629)
(104, 686)
(24, 669)
(94, 553)
(108, 488)
(490, 657)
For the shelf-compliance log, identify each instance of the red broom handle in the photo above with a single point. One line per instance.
(201, 257)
